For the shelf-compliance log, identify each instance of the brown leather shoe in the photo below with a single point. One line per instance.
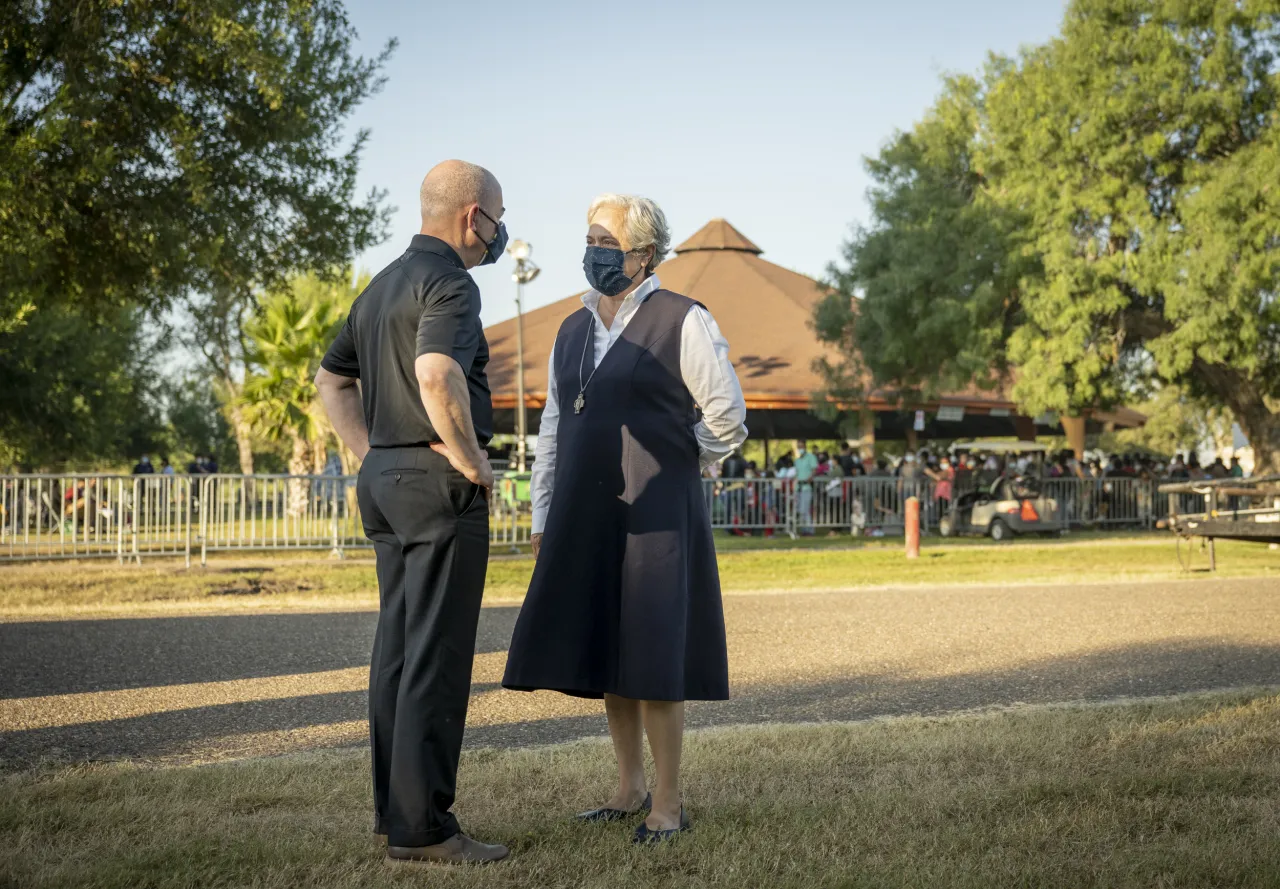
(458, 849)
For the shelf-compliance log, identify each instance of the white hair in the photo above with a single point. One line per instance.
(644, 220)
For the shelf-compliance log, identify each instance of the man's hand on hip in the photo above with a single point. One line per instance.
(478, 475)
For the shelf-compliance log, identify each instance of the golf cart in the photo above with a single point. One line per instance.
(1006, 504)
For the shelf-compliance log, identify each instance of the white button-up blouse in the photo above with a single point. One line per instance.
(704, 365)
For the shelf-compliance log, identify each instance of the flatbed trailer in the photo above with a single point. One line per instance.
(1224, 509)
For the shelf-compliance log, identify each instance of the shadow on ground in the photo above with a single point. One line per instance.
(65, 657)
(158, 652)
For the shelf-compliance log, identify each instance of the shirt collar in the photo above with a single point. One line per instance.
(430, 244)
(591, 299)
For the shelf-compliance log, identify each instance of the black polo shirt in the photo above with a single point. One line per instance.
(423, 303)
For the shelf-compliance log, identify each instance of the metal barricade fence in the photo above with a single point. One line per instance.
(510, 517)
(750, 504)
(129, 517)
(1096, 502)
(267, 512)
(866, 504)
(787, 506)
(856, 505)
(73, 516)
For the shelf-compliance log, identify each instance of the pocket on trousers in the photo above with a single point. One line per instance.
(476, 493)
(461, 492)
(402, 473)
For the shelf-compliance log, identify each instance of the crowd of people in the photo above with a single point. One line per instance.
(818, 482)
(944, 468)
(203, 464)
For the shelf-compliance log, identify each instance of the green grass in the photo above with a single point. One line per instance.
(966, 562)
(292, 581)
(1171, 793)
(726, 542)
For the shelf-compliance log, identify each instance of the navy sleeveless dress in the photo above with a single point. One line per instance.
(625, 596)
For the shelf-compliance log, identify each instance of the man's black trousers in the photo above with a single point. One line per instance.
(430, 531)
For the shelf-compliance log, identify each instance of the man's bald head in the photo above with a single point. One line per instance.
(453, 186)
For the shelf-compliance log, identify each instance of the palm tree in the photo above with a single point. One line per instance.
(287, 339)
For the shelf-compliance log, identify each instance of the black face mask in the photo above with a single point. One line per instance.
(604, 270)
(498, 245)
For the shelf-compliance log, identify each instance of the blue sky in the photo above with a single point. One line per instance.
(757, 112)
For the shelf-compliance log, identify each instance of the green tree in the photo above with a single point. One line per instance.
(79, 391)
(1139, 144)
(153, 151)
(195, 423)
(922, 301)
(1139, 153)
(1176, 423)
(288, 338)
(155, 146)
(214, 327)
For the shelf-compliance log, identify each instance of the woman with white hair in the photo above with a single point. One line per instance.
(624, 603)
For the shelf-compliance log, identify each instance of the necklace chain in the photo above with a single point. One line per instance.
(581, 401)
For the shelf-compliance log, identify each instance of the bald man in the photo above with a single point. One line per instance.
(404, 385)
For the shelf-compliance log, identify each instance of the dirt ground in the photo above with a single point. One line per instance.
(206, 687)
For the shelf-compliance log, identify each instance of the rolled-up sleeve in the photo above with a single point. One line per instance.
(711, 380)
(448, 324)
(341, 357)
(544, 463)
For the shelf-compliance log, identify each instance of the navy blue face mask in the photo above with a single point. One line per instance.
(498, 245)
(603, 267)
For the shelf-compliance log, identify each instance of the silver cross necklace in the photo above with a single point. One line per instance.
(581, 401)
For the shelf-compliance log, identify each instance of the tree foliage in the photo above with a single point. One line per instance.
(155, 146)
(933, 262)
(1176, 423)
(287, 340)
(154, 151)
(78, 391)
(195, 424)
(1131, 165)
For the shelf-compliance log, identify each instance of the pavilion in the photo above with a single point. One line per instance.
(764, 311)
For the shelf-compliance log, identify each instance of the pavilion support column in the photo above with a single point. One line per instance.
(1024, 428)
(1074, 427)
(867, 435)
(913, 439)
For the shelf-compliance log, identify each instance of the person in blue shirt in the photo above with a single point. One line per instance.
(806, 464)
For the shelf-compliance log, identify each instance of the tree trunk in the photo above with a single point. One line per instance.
(239, 427)
(299, 465)
(350, 465)
(1262, 427)
(219, 335)
(319, 456)
(322, 433)
(1258, 416)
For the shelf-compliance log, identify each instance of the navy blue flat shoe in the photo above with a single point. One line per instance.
(600, 815)
(646, 836)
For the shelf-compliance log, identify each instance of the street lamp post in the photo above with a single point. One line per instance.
(525, 272)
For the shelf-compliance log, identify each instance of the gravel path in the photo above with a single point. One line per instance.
(203, 687)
